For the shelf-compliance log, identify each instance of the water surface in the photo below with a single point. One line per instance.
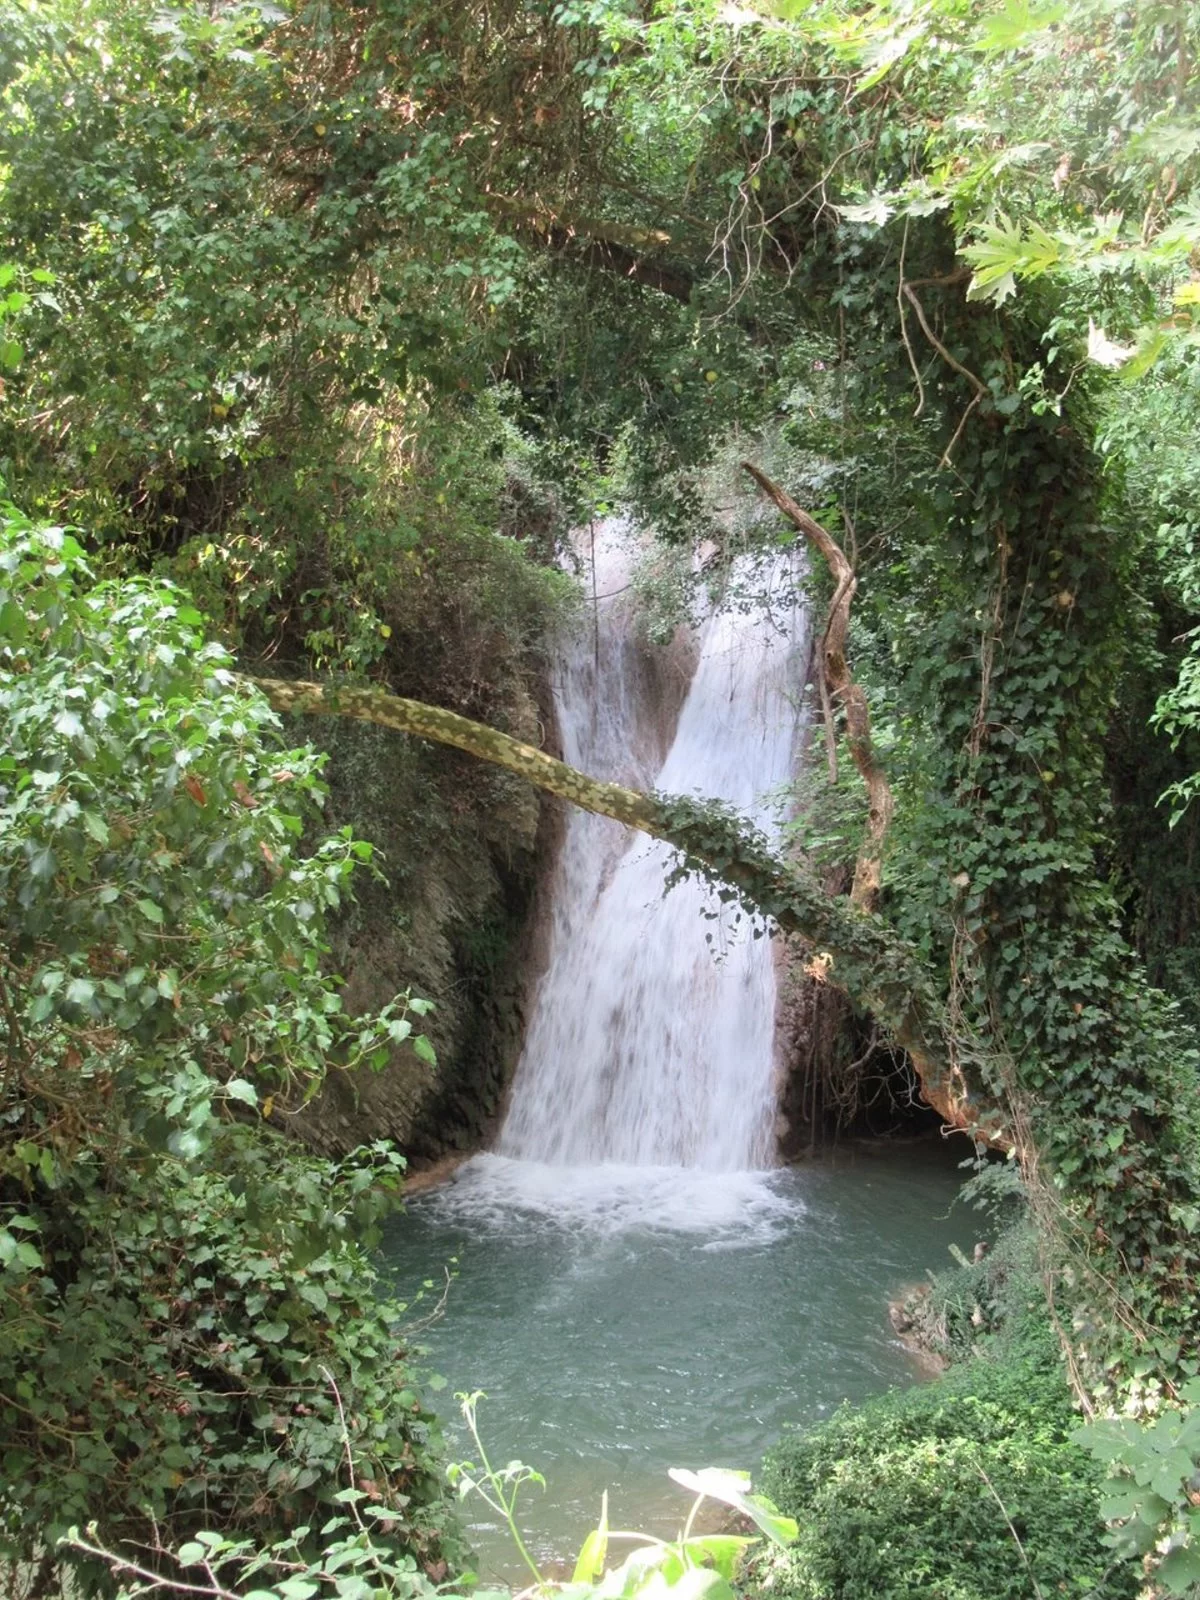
(626, 1320)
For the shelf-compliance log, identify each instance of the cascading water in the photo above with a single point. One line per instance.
(638, 1287)
(646, 1092)
(651, 1040)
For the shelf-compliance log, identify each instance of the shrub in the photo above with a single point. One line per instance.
(176, 1278)
(965, 1489)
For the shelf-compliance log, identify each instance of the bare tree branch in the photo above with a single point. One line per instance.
(836, 668)
(980, 388)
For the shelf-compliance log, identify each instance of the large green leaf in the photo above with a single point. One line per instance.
(733, 1489)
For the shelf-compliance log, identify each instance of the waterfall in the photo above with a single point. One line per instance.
(651, 1038)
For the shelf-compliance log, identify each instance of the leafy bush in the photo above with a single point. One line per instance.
(175, 1275)
(966, 1489)
(1150, 1499)
(354, 1564)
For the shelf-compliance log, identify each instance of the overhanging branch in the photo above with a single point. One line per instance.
(857, 951)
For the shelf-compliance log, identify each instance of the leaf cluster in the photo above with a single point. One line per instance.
(172, 1270)
(967, 1487)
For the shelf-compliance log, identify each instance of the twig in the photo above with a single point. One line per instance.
(595, 596)
(827, 718)
(948, 452)
(912, 359)
(433, 1316)
(1016, 1536)
(154, 1579)
(361, 1525)
(341, 1410)
(977, 384)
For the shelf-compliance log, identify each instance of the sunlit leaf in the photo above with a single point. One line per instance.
(594, 1551)
(733, 1489)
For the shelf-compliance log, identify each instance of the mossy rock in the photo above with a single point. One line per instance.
(456, 849)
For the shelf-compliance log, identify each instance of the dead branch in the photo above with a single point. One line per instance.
(880, 804)
(980, 388)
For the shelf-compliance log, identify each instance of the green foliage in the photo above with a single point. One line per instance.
(960, 1308)
(999, 606)
(969, 1488)
(353, 1564)
(1146, 436)
(155, 898)
(357, 1560)
(163, 1361)
(263, 363)
(14, 301)
(291, 249)
(173, 1272)
(1150, 1492)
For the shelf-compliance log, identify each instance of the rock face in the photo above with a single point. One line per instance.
(459, 846)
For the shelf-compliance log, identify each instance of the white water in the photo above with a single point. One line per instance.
(650, 1046)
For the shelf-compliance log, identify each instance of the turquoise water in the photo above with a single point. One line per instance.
(625, 1320)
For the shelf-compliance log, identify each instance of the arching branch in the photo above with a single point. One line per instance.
(856, 951)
